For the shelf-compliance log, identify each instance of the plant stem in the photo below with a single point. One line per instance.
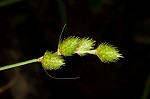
(146, 89)
(19, 64)
(84, 52)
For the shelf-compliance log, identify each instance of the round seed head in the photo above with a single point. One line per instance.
(108, 53)
(68, 46)
(52, 61)
(85, 45)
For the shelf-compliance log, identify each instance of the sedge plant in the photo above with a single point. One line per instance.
(68, 47)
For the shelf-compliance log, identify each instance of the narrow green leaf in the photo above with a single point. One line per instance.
(8, 2)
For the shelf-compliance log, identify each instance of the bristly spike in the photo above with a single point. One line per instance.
(85, 46)
(68, 46)
(52, 61)
(108, 53)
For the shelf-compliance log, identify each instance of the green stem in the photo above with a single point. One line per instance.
(57, 77)
(19, 64)
(146, 89)
(86, 52)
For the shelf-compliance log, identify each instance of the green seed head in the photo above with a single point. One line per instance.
(108, 53)
(85, 45)
(68, 46)
(52, 61)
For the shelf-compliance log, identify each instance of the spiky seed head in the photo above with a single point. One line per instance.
(68, 46)
(52, 61)
(85, 45)
(108, 53)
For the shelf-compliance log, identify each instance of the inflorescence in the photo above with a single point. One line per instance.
(81, 46)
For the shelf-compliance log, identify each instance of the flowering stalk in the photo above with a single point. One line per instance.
(73, 45)
(19, 64)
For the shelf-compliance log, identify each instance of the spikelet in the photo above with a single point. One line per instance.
(108, 53)
(52, 61)
(85, 46)
(68, 46)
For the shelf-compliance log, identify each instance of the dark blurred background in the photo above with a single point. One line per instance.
(30, 27)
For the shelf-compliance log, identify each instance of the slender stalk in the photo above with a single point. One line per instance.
(86, 52)
(57, 77)
(19, 64)
(146, 89)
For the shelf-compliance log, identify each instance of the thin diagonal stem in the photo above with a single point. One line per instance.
(146, 91)
(57, 77)
(19, 64)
